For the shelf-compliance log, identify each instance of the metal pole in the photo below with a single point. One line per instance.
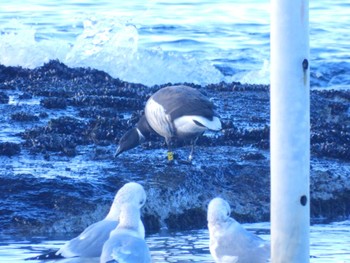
(290, 131)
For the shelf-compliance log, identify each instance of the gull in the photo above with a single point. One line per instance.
(90, 242)
(125, 244)
(229, 241)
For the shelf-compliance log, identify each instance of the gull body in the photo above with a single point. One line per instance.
(229, 241)
(125, 244)
(90, 242)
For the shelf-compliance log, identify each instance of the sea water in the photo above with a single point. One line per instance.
(162, 41)
(328, 244)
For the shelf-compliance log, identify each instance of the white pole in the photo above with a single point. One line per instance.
(290, 131)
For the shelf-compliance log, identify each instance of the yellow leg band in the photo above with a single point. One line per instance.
(170, 156)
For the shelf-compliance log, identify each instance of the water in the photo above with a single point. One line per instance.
(161, 41)
(155, 42)
(329, 244)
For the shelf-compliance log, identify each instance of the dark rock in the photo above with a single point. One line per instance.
(107, 101)
(23, 116)
(105, 129)
(67, 125)
(54, 103)
(252, 156)
(25, 96)
(53, 142)
(51, 205)
(4, 98)
(194, 218)
(43, 115)
(91, 111)
(10, 73)
(152, 223)
(9, 148)
(6, 86)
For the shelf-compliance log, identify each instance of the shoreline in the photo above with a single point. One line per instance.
(59, 130)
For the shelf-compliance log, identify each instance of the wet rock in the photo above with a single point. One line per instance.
(338, 108)
(4, 98)
(152, 223)
(9, 148)
(43, 115)
(9, 73)
(91, 111)
(194, 218)
(97, 112)
(106, 129)
(51, 205)
(67, 125)
(54, 103)
(332, 141)
(25, 96)
(243, 136)
(53, 142)
(331, 194)
(24, 116)
(6, 86)
(60, 135)
(106, 101)
(252, 156)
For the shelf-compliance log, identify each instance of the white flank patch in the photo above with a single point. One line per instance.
(158, 119)
(186, 124)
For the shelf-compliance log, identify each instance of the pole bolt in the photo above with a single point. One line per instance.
(303, 200)
(305, 64)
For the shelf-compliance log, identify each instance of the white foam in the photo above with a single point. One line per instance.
(19, 46)
(260, 76)
(106, 44)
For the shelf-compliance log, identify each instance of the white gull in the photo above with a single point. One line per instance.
(229, 241)
(126, 244)
(90, 242)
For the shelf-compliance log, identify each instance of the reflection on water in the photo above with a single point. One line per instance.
(190, 246)
(329, 243)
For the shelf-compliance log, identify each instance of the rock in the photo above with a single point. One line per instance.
(23, 116)
(4, 98)
(9, 148)
(54, 103)
(72, 175)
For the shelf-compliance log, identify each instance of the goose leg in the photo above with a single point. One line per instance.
(193, 143)
(170, 153)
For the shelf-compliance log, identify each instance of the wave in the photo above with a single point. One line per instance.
(109, 46)
(116, 47)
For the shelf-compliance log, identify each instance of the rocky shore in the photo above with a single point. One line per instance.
(58, 132)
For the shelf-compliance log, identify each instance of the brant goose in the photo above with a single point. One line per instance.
(173, 112)
(229, 241)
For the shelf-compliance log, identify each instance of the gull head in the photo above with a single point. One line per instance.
(218, 210)
(131, 193)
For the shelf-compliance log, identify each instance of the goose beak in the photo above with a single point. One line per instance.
(118, 151)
